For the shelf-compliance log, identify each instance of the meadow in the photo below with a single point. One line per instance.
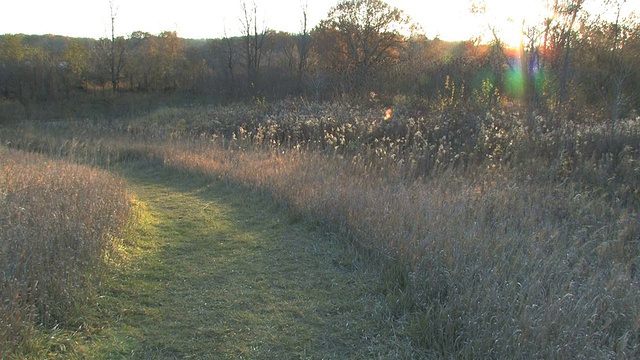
(58, 225)
(494, 234)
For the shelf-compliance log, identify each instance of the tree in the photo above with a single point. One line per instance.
(171, 54)
(12, 57)
(360, 36)
(197, 74)
(117, 50)
(143, 50)
(609, 69)
(297, 50)
(76, 56)
(304, 46)
(254, 39)
(567, 13)
(226, 59)
(28, 72)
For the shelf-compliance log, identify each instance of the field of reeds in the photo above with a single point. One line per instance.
(58, 222)
(495, 234)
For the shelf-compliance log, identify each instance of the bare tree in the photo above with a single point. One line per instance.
(117, 50)
(254, 40)
(229, 52)
(304, 46)
(569, 11)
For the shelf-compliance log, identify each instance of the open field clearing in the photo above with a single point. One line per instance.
(353, 188)
(496, 240)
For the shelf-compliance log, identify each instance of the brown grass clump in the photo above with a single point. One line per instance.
(57, 222)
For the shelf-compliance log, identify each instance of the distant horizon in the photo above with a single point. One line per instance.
(196, 39)
(220, 19)
(195, 20)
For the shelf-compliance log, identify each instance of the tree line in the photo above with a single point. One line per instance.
(364, 49)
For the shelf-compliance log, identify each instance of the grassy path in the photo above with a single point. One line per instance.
(218, 272)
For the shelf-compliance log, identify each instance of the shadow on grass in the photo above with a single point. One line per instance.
(216, 270)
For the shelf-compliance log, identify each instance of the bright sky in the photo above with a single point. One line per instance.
(449, 19)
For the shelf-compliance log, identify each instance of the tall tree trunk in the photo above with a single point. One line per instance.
(573, 9)
(114, 78)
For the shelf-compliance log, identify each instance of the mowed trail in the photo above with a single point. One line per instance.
(220, 272)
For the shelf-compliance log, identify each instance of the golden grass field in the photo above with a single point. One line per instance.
(488, 238)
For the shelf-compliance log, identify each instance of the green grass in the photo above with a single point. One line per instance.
(214, 270)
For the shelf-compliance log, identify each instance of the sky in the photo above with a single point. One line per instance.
(447, 19)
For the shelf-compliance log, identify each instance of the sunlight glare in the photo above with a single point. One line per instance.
(509, 18)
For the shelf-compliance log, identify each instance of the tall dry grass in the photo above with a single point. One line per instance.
(492, 241)
(531, 251)
(57, 222)
(490, 264)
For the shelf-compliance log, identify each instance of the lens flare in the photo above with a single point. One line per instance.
(524, 73)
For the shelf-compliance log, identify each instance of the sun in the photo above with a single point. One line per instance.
(509, 19)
